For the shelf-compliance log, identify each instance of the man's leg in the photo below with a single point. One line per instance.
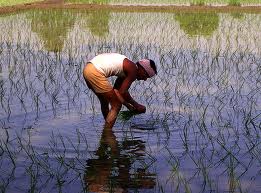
(104, 104)
(115, 104)
(110, 115)
(104, 98)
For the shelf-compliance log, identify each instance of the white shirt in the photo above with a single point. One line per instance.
(110, 64)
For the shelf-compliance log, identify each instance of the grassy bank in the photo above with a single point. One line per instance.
(15, 2)
(179, 2)
(150, 2)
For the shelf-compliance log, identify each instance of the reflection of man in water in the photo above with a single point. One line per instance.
(111, 170)
(105, 65)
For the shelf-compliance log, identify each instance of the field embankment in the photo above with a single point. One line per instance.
(7, 6)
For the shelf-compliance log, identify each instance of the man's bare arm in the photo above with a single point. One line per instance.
(122, 85)
(126, 99)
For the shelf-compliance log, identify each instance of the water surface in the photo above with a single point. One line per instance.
(201, 131)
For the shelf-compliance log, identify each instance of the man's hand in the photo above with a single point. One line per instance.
(140, 108)
(130, 107)
(137, 108)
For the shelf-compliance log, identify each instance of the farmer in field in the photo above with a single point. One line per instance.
(105, 65)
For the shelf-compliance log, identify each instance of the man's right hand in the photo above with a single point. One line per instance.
(130, 107)
(140, 108)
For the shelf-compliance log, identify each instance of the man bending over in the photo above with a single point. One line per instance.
(105, 65)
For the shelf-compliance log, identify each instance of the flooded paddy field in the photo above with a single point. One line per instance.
(201, 131)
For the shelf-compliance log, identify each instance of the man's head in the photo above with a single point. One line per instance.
(146, 69)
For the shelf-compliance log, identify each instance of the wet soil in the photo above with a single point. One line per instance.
(128, 8)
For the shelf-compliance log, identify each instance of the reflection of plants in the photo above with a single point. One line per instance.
(50, 166)
(98, 23)
(52, 27)
(237, 16)
(198, 23)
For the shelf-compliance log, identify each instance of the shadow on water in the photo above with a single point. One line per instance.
(115, 169)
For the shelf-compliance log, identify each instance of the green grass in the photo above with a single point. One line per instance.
(191, 2)
(234, 2)
(15, 2)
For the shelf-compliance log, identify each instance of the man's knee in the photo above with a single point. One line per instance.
(115, 103)
(113, 100)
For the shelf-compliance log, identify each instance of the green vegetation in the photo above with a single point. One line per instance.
(98, 22)
(189, 2)
(198, 2)
(15, 2)
(198, 23)
(88, 1)
(237, 16)
(234, 2)
(58, 20)
(126, 115)
(61, 22)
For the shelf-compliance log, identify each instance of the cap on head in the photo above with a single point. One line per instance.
(145, 63)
